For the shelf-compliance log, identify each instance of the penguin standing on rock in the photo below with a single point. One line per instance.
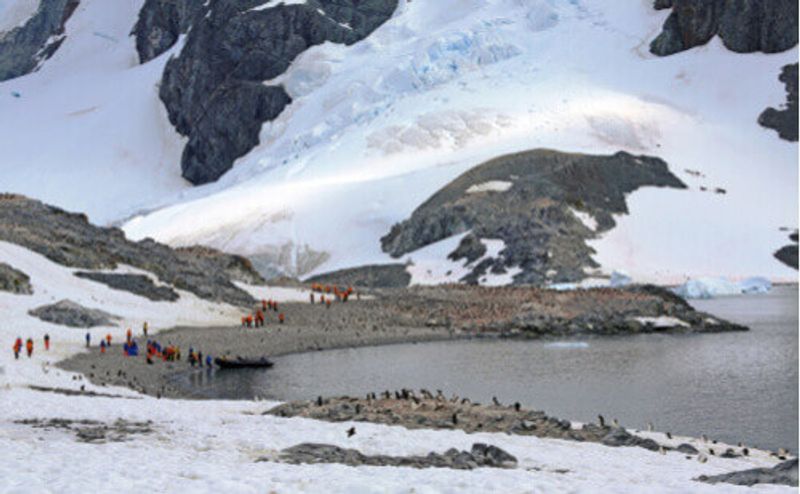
(495, 401)
(517, 406)
(601, 420)
(351, 432)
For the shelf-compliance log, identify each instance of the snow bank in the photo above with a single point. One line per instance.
(490, 186)
(718, 287)
(662, 322)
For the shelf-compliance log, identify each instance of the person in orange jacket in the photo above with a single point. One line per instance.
(281, 318)
(108, 339)
(244, 321)
(17, 347)
(129, 334)
(47, 342)
(263, 304)
(311, 297)
(102, 346)
(249, 320)
(29, 347)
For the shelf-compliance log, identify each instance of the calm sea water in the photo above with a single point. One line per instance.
(733, 387)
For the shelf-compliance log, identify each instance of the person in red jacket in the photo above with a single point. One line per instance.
(29, 347)
(17, 347)
(47, 342)
(281, 318)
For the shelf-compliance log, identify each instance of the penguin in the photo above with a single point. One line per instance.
(517, 406)
(650, 427)
(704, 438)
(455, 418)
(465, 401)
(358, 409)
(702, 458)
(601, 420)
(669, 435)
(711, 451)
(745, 452)
(397, 395)
(495, 401)
(319, 401)
(740, 444)
(661, 450)
(615, 423)
(351, 432)
(782, 452)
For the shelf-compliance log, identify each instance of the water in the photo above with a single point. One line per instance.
(733, 387)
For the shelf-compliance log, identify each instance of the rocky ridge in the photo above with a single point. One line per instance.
(69, 239)
(543, 204)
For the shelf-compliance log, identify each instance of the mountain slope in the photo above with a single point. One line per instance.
(377, 127)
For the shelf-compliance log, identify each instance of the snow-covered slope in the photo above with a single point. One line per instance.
(375, 128)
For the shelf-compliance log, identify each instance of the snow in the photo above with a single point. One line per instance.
(429, 265)
(15, 13)
(490, 186)
(377, 127)
(662, 321)
(212, 446)
(586, 218)
(717, 287)
(274, 3)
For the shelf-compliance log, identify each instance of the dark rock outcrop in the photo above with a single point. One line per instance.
(372, 276)
(787, 255)
(481, 455)
(783, 474)
(161, 22)
(744, 26)
(138, 284)
(23, 48)
(14, 281)
(69, 313)
(620, 437)
(238, 268)
(214, 91)
(534, 212)
(784, 120)
(69, 239)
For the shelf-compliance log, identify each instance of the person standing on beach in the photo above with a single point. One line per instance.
(47, 342)
(29, 347)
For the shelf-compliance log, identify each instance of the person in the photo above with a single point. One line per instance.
(88, 339)
(209, 361)
(281, 318)
(263, 305)
(275, 306)
(244, 321)
(108, 339)
(200, 359)
(125, 349)
(29, 347)
(46, 342)
(102, 346)
(144, 329)
(328, 304)
(128, 334)
(17, 347)
(311, 297)
(249, 320)
(259, 318)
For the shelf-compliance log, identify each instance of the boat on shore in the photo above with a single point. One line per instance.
(243, 363)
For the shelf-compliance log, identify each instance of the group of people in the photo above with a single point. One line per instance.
(332, 292)
(258, 317)
(17, 347)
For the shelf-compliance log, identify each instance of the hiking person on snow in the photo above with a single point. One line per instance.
(47, 341)
(17, 347)
(29, 347)
(88, 339)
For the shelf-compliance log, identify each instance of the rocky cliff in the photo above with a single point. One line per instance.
(23, 48)
(543, 204)
(784, 120)
(744, 26)
(214, 90)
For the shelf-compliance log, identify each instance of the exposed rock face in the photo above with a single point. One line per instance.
(238, 268)
(214, 91)
(374, 276)
(537, 217)
(23, 48)
(93, 431)
(787, 255)
(743, 25)
(14, 281)
(69, 239)
(69, 313)
(481, 455)
(138, 284)
(161, 22)
(784, 474)
(784, 120)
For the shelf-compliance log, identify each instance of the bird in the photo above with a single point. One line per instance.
(745, 452)
(650, 427)
(358, 408)
(661, 450)
(704, 438)
(351, 432)
(702, 458)
(517, 406)
(601, 420)
(495, 401)
(711, 451)
(319, 401)
(455, 418)
(615, 423)
(669, 435)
